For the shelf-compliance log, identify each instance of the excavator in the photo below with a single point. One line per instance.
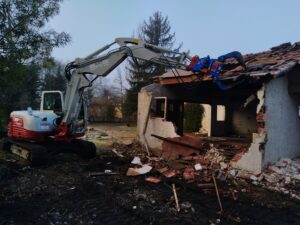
(57, 126)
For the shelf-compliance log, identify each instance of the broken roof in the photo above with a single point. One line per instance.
(276, 63)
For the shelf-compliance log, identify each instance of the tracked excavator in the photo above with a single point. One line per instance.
(57, 126)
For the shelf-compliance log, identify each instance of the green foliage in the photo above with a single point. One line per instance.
(23, 35)
(156, 31)
(193, 115)
(25, 43)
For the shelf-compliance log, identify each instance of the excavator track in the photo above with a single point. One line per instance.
(42, 153)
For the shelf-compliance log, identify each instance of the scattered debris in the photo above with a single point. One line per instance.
(153, 179)
(117, 153)
(198, 166)
(189, 173)
(136, 160)
(218, 196)
(103, 173)
(66, 183)
(138, 171)
(170, 173)
(176, 198)
(282, 176)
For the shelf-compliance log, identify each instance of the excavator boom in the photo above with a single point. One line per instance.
(83, 72)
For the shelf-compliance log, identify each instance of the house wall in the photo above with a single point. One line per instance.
(243, 119)
(282, 121)
(146, 124)
(251, 161)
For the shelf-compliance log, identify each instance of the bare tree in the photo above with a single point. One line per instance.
(120, 86)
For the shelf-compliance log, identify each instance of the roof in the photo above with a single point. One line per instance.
(276, 62)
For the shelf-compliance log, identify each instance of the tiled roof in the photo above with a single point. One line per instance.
(276, 62)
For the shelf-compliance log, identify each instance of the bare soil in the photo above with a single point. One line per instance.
(64, 192)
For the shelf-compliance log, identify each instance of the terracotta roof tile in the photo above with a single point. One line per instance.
(276, 62)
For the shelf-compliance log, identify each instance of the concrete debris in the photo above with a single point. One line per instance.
(198, 166)
(214, 156)
(136, 160)
(223, 165)
(282, 176)
(253, 177)
(197, 169)
(138, 171)
(233, 172)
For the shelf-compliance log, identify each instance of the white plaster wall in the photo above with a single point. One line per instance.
(251, 160)
(206, 121)
(161, 128)
(282, 121)
(144, 101)
(155, 125)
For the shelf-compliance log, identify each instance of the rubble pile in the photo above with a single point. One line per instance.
(193, 168)
(199, 169)
(282, 176)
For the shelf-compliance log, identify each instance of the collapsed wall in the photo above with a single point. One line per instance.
(148, 125)
(252, 160)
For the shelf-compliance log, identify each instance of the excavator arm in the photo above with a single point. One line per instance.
(83, 72)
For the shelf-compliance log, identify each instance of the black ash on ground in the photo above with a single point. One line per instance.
(67, 192)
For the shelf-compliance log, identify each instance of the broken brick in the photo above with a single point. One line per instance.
(189, 173)
(152, 180)
(170, 173)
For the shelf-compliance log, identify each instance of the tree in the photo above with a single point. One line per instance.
(23, 35)
(54, 76)
(120, 87)
(156, 31)
(193, 115)
(25, 43)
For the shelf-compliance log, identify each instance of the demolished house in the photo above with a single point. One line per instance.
(253, 118)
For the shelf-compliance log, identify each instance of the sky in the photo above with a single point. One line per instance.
(205, 27)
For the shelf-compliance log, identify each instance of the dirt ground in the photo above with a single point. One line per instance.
(66, 192)
(105, 134)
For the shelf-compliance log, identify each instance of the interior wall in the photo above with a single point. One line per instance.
(206, 121)
(282, 121)
(244, 119)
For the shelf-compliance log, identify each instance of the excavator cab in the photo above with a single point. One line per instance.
(52, 101)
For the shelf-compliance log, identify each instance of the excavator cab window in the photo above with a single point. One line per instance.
(53, 101)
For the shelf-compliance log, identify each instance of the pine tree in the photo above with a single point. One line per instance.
(156, 31)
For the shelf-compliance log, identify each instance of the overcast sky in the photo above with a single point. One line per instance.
(206, 27)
